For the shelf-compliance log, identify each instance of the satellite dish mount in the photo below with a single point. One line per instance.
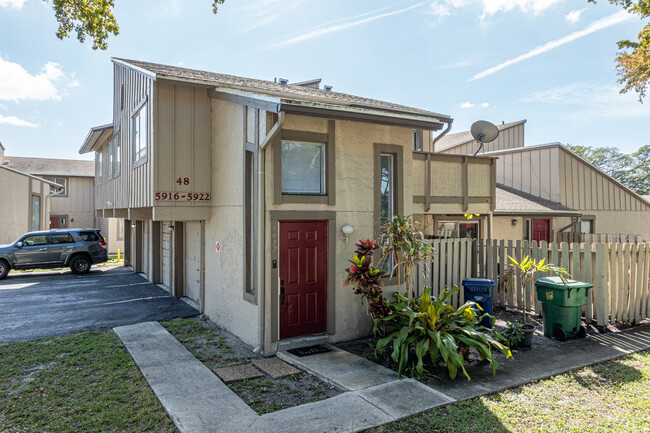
(483, 132)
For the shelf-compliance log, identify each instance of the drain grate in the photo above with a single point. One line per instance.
(308, 351)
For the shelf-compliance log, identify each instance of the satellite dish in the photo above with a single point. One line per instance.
(483, 132)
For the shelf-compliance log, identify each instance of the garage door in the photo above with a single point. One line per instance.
(166, 254)
(193, 260)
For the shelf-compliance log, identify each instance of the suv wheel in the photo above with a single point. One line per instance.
(80, 265)
(4, 269)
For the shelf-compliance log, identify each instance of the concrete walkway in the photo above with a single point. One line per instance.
(198, 401)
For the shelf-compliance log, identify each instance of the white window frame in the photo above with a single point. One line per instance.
(54, 191)
(137, 127)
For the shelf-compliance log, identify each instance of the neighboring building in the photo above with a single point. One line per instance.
(546, 191)
(25, 202)
(235, 192)
(553, 173)
(72, 205)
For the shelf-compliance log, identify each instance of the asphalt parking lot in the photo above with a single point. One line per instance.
(35, 305)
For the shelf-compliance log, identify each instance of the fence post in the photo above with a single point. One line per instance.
(633, 298)
(517, 287)
(452, 271)
(435, 267)
(613, 279)
(463, 267)
(502, 269)
(588, 277)
(511, 292)
(601, 286)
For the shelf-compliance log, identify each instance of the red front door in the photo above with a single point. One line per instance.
(303, 278)
(541, 229)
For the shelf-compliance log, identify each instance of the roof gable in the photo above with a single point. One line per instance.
(450, 141)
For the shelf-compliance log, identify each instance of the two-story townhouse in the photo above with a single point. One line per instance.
(72, 205)
(241, 194)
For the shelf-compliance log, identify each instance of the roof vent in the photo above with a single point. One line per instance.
(327, 88)
(283, 81)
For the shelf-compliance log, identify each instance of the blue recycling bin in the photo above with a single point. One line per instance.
(480, 290)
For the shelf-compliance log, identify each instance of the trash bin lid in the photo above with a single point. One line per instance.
(478, 282)
(557, 283)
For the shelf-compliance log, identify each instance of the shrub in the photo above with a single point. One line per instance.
(366, 280)
(434, 328)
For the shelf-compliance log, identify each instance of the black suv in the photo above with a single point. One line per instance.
(77, 248)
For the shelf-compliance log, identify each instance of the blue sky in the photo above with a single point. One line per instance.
(551, 62)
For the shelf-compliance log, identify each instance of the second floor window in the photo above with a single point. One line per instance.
(116, 154)
(61, 181)
(303, 168)
(140, 134)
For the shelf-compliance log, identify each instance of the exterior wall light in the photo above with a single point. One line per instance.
(514, 222)
(346, 231)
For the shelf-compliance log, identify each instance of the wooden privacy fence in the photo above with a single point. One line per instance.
(619, 273)
(571, 237)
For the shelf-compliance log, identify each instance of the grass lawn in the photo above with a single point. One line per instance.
(609, 397)
(84, 382)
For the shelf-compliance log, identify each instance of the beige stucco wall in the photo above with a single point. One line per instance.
(502, 228)
(224, 300)
(355, 202)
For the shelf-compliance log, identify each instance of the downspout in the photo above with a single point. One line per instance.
(427, 169)
(261, 229)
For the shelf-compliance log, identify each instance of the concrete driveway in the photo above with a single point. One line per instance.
(35, 305)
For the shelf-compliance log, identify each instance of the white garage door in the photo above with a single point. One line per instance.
(193, 260)
(166, 254)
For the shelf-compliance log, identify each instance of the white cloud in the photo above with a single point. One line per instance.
(16, 83)
(600, 24)
(590, 100)
(262, 22)
(15, 121)
(15, 4)
(574, 16)
(338, 27)
(473, 105)
(439, 10)
(492, 7)
(456, 65)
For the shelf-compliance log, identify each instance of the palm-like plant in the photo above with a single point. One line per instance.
(527, 269)
(402, 241)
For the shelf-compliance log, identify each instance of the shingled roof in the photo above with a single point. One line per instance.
(287, 93)
(511, 201)
(453, 140)
(52, 167)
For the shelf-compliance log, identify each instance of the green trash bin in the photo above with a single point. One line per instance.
(562, 306)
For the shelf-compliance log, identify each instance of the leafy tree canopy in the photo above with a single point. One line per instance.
(633, 63)
(632, 170)
(92, 19)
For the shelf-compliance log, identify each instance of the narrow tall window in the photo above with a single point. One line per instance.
(100, 166)
(250, 215)
(140, 134)
(36, 213)
(116, 155)
(387, 187)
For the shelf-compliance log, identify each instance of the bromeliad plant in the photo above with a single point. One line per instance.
(366, 279)
(436, 329)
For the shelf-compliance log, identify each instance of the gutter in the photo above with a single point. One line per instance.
(261, 230)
